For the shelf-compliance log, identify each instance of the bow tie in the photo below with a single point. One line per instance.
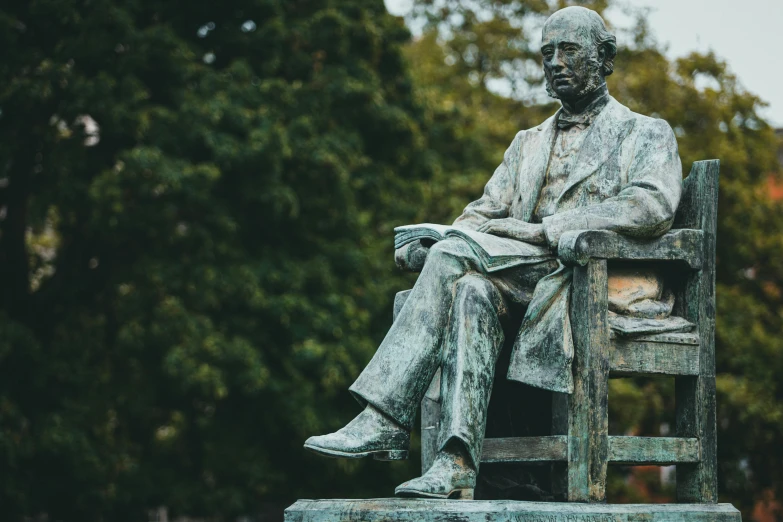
(565, 121)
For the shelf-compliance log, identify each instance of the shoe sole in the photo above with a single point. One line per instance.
(377, 454)
(460, 493)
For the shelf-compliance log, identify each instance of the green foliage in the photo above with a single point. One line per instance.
(186, 300)
(188, 288)
(713, 117)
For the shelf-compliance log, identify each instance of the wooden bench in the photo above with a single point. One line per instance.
(579, 446)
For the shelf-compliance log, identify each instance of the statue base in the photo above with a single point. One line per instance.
(418, 510)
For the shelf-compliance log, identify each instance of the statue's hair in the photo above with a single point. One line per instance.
(603, 39)
(606, 40)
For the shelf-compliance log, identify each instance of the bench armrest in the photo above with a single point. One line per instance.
(577, 247)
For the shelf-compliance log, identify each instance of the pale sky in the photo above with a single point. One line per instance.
(746, 34)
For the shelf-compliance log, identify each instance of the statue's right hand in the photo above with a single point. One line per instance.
(412, 256)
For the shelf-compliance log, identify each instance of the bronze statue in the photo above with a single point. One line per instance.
(594, 165)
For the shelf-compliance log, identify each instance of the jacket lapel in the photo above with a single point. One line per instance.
(604, 137)
(532, 169)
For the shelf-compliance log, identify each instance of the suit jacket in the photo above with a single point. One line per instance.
(627, 178)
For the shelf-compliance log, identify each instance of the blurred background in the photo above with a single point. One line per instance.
(196, 210)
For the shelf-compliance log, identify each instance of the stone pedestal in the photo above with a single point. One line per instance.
(425, 510)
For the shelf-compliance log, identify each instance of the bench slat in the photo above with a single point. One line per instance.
(622, 450)
(525, 449)
(630, 357)
(653, 450)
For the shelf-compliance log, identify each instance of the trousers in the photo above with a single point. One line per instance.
(453, 318)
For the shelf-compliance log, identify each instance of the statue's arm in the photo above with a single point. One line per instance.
(646, 205)
(498, 192)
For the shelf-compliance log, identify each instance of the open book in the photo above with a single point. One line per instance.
(495, 253)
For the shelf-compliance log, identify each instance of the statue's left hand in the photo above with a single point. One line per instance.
(412, 256)
(515, 229)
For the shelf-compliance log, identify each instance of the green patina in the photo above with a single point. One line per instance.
(377, 510)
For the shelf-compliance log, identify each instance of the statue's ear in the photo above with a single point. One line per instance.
(602, 53)
(606, 59)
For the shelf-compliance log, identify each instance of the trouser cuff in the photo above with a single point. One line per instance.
(384, 405)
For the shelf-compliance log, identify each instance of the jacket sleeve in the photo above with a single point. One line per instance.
(646, 205)
(498, 192)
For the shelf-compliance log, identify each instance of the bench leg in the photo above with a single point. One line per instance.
(560, 414)
(695, 396)
(588, 422)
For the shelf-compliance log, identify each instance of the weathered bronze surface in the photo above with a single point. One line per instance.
(597, 184)
(384, 510)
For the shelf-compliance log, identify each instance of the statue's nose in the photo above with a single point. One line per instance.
(556, 61)
(556, 64)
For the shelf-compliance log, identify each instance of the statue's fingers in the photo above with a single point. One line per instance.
(497, 231)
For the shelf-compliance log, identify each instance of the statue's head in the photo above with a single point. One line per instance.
(578, 53)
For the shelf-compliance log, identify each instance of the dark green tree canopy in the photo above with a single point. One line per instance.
(196, 204)
(197, 197)
(720, 120)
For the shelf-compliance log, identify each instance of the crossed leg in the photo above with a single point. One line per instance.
(452, 318)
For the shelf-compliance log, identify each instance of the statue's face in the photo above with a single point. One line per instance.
(572, 60)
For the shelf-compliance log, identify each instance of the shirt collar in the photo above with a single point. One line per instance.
(567, 119)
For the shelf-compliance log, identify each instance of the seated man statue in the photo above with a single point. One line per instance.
(593, 165)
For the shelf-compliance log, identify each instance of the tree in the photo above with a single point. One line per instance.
(196, 247)
(471, 51)
(196, 204)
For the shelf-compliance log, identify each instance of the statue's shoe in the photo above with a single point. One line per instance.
(445, 479)
(370, 434)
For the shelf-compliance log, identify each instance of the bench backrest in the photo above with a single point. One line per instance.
(699, 204)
